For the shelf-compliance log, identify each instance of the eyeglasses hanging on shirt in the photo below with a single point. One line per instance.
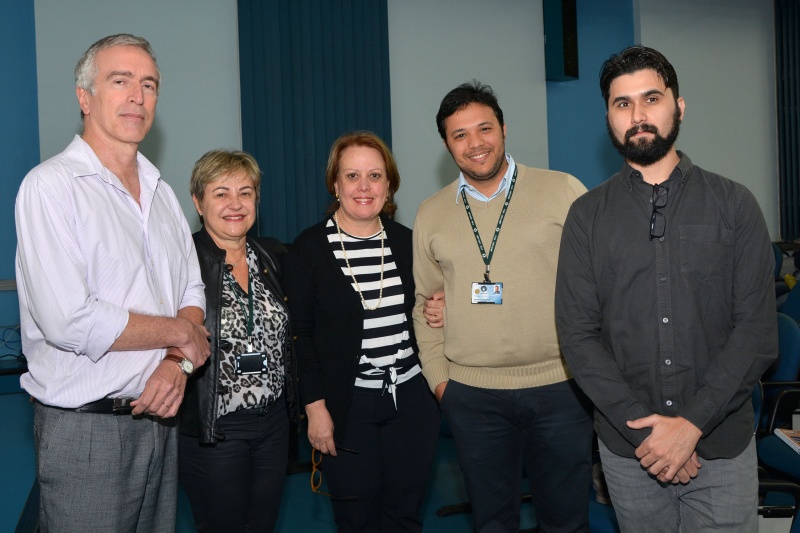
(658, 223)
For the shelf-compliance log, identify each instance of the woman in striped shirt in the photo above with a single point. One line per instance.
(351, 292)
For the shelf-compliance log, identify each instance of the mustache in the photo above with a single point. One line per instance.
(641, 128)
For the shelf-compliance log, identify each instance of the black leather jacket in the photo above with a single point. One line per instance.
(199, 411)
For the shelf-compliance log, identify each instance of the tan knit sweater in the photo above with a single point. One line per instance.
(509, 346)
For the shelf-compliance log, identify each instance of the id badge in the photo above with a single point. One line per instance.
(487, 293)
(251, 363)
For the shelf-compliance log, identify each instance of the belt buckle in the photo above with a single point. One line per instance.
(122, 406)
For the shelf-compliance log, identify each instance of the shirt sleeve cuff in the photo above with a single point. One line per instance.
(105, 331)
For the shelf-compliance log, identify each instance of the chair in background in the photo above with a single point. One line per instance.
(781, 288)
(779, 492)
(791, 306)
(785, 369)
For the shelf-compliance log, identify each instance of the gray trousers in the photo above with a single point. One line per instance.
(723, 496)
(104, 473)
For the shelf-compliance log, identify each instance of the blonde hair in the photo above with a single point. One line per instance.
(216, 163)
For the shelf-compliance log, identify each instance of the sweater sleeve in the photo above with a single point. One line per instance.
(428, 278)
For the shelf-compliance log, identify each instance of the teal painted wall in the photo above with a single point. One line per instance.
(578, 142)
(19, 136)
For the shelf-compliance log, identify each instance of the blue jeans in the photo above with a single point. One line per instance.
(548, 429)
(723, 496)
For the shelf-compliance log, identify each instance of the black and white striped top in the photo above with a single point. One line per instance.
(387, 356)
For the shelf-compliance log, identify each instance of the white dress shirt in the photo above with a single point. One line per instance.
(87, 254)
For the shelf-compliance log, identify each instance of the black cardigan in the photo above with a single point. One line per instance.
(328, 317)
(199, 410)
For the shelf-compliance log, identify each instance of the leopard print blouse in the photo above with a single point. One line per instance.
(270, 327)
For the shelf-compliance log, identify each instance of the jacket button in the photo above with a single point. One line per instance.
(266, 271)
(294, 338)
(285, 298)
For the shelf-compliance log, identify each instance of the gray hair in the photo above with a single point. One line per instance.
(86, 69)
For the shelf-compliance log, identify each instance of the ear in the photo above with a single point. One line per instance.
(682, 107)
(83, 99)
(504, 130)
(336, 188)
(197, 205)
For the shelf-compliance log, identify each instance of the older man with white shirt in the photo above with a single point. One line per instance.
(111, 307)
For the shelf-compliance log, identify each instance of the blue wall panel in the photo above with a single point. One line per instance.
(576, 121)
(19, 136)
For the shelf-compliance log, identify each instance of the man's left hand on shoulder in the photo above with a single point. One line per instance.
(669, 446)
(163, 392)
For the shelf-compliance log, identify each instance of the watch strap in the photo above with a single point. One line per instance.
(178, 359)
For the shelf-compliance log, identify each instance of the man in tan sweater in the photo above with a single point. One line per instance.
(490, 239)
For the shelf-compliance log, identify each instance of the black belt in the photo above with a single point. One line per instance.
(107, 406)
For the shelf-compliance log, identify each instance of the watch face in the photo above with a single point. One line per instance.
(187, 366)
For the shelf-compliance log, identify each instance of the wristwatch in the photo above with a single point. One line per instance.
(186, 366)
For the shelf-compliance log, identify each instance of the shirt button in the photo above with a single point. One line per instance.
(664, 278)
(668, 362)
(665, 320)
(661, 239)
(669, 403)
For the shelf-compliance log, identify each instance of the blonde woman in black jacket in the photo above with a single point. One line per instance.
(235, 419)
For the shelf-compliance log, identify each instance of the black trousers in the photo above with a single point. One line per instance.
(390, 473)
(237, 483)
(547, 429)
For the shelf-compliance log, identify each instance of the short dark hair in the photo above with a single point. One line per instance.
(465, 94)
(633, 59)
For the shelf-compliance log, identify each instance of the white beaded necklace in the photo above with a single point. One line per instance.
(350, 270)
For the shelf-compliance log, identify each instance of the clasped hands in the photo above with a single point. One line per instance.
(669, 452)
(163, 392)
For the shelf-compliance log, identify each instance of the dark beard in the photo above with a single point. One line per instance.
(492, 173)
(645, 153)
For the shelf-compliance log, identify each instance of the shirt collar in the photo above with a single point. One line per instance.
(86, 163)
(682, 171)
(472, 191)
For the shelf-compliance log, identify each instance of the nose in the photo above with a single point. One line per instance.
(363, 184)
(236, 202)
(137, 94)
(473, 140)
(638, 114)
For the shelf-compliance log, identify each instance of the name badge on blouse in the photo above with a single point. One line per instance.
(487, 293)
(251, 363)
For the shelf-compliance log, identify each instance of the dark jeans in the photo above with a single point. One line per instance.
(390, 473)
(548, 429)
(237, 483)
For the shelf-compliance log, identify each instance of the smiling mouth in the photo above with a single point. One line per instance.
(478, 157)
